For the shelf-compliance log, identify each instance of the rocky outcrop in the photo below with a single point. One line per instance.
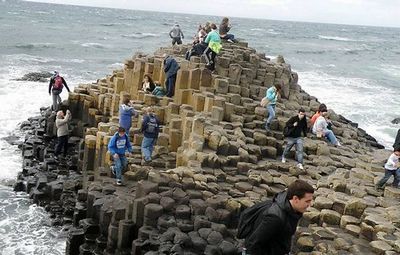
(213, 159)
(36, 76)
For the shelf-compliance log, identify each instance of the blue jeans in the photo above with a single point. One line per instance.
(388, 173)
(170, 84)
(331, 137)
(299, 148)
(120, 164)
(228, 37)
(148, 147)
(271, 113)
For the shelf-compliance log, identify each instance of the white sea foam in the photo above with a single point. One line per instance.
(392, 70)
(140, 35)
(94, 45)
(336, 38)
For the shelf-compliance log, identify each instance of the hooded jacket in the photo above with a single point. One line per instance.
(125, 116)
(276, 226)
(171, 67)
(295, 131)
(119, 145)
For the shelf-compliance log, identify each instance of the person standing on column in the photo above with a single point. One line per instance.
(176, 35)
(272, 96)
(56, 85)
(292, 131)
(150, 129)
(126, 112)
(214, 46)
(171, 68)
(119, 147)
(62, 132)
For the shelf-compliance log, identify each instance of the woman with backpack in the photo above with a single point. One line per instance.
(56, 85)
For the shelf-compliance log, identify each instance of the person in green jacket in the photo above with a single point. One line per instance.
(214, 47)
(272, 96)
(158, 91)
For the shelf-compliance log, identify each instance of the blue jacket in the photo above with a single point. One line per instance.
(271, 95)
(158, 91)
(119, 145)
(171, 67)
(125, 116)
(146, 124)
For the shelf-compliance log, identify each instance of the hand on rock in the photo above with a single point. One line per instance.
(115, 156)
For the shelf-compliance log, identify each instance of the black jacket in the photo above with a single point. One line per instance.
(276, 226)
(52, 83)
(396, 144)
(295, 131)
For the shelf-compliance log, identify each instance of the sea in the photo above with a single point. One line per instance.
(355, 70)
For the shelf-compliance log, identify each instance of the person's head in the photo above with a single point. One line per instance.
(300, 195)
(157, 84)
(213, 26)
(149, 110)
(302, 113)
(278, 87)
(147, 78)
(324, 112)
(126, 101)
(322, 107)
(60, 114)
(56, 73)
(397, 151)
(121, 131)
(225, 20)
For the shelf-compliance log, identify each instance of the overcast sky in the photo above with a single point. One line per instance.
(358, 12)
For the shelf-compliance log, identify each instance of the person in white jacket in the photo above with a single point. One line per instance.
(62, 132)
(392, 167)
(320, 128)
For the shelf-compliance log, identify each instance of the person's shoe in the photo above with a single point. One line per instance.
(229, 40)
(300, 166)
(283, 160)
(379, 188)
(119, 182)
(112, 170)
(339, 144)
(55, 157)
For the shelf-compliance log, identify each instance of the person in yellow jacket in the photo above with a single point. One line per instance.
(214, 47)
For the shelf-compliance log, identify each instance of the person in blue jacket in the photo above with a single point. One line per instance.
(150, 129)
(171, 68)
(119, 147)
(272, 96)
(126, 112)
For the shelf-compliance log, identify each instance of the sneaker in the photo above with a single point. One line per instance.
(267, 127)
(338, 144)
(379, 188)
(283, 160)
(229, 40)
(300, 166)
(119, 182)
(113, 170)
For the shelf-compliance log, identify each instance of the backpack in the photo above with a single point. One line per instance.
(152, 125)
(249, 217)
(58, 83)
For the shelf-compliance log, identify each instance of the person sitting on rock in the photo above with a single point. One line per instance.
(224, 28)
(214, 46)
(147, 84)
(56, 85)
(317, 114)
(292, 131)
(158, 91)
(171, 68)
(392, 167)
(62, 132)
(321, 129)
(150, 129)
(126, 112)
(119, 147)
(176, 35)
(272, 96)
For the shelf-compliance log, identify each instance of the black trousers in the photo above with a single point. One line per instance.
(62, 143)
(210, 57)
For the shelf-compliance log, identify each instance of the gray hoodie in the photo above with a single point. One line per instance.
(176, 32)
(62, 125)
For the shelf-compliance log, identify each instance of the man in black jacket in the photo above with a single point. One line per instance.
(294, 127)
(277, 224)
(396, 144)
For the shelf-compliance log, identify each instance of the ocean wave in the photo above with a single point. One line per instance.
(94, 45)
(139, 35)
(257, 29)
(317, 52)
(35, 45)
(109, 24)
(336, 38)
(116, 66)
(392, 70)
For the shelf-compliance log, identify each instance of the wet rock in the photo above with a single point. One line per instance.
(36, 76)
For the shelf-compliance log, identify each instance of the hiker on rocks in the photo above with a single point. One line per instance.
(56, 85)
(321, 129)
(201, 34)
(272, 96)
(176, 35)
(224, 28)
(214, 46)
(150, 129)
(392, 167)
(126, 112)
(317, 114)
(276, 224)
(158, 91)
(171, 68)
(292, 131)
(62, 132)
(147, 84)
(396, 144)
(119, 147)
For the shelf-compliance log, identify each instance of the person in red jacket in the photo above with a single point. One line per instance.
(56, 86)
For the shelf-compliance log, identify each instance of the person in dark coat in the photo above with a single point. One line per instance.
(277, 225)
(171, 68)
(396, 144)
(293, 129)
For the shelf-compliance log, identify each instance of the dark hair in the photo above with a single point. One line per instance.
(299, 188)
(121, 130)
(149, 78)
(213, 26)
(278, 87)
(225, 20)
(396, 149)
(302, 110)
(322, 107)
(126, 100)
(324, 110)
